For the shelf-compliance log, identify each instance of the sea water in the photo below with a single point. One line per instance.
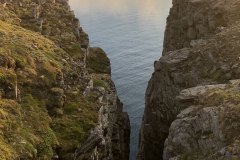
(131, 32)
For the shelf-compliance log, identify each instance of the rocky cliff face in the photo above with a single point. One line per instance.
(57, 99)
(209, 126)
(110, 138)
(201, 48)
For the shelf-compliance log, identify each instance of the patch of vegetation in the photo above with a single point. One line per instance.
(38, 120)
(34, 62)
(196, 155)
(97, 61)
(9, 16)
(229, 120)
(36, 58)
(7, 76)
(73, 127)
(49, 141)
(25, 131)
(71, 107)
(216, 97)
(74, 50)
(99, 83)
(229, 99)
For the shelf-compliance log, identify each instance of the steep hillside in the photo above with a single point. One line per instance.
(56, 93)
(201, 48)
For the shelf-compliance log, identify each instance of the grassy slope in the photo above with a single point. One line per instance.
(32, 61)
(27, 131)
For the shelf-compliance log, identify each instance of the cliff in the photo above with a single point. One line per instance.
(57, 99)
(192, 101)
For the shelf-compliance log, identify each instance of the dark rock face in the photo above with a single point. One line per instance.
(208, 128)
(197, 18)
(201, 47)
(110, 138)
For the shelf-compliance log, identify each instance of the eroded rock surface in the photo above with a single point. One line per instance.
(55, 101)
(201, 48)
(208, 127)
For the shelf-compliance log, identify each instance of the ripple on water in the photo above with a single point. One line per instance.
(131, 32)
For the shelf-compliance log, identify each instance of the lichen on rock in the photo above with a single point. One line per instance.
(201, 48)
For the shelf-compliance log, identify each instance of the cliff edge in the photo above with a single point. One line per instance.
(57, 99)
(191, 101)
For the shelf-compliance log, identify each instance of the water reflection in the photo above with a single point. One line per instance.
(143, 7)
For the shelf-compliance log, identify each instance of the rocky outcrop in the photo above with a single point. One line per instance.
(57, 99)
(198, 19)
(201, 47)
(209, 126)
(110, 138)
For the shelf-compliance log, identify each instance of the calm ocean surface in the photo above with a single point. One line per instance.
(131, 33)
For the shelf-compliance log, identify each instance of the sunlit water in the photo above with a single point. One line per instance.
(131, 32)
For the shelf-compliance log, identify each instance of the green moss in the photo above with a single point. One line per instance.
(9, 16)
(228, 99)
(217, 97)
(73, 127)
(49, 141)
(33, 54)
(6, 151)
(25, 127)
(195, 155)
(9, 124)
(74, 50)
(99, 83)
(98, 61)
(229, 120)
(7, 76)
(71, 107)
(70, 132)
